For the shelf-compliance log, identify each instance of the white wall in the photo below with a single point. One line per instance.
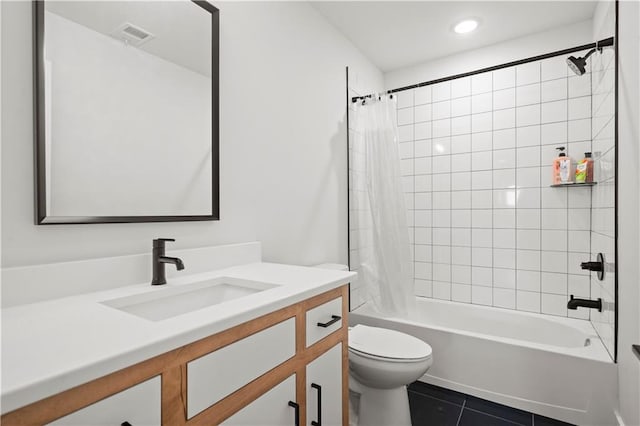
(628, 211)
(283, 144)
(500, 53)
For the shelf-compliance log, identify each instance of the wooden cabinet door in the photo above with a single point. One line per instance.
(324, 389)
(270, 409)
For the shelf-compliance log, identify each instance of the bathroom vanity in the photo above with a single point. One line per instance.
(275, 356)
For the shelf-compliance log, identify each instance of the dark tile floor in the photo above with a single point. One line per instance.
(436, 406)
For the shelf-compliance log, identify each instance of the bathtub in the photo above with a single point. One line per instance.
(552, 366)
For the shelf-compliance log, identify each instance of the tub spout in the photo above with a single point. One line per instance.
(574, 303)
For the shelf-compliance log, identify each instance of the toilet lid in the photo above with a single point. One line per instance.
(386, 343)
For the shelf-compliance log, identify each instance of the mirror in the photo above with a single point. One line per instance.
(126, 111)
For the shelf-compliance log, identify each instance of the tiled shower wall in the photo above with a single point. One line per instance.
(603, 208)
(476, 156)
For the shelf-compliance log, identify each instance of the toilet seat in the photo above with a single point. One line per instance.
(389, 345)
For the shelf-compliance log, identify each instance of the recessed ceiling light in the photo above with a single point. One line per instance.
(466, 26)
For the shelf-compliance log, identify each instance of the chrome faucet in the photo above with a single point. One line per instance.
(159, 260)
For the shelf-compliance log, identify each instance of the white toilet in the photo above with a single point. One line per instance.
(382, 363)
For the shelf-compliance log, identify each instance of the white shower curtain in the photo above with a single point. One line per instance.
(382, 234)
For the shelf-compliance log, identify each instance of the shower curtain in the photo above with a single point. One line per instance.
(382, 234)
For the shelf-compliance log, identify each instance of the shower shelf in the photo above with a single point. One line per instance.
(573, 184)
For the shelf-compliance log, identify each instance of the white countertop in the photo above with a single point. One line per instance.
(51, 346)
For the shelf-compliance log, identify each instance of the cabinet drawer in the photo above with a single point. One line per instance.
(214, 376)
(138, 405)
(328, 315)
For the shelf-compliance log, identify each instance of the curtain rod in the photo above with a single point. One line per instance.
(598, 44)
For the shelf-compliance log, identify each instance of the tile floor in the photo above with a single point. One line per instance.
(436, 406)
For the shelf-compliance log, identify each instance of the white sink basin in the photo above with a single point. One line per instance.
(172, 300)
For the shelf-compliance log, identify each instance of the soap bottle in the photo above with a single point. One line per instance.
(584, 169)
(562, 168)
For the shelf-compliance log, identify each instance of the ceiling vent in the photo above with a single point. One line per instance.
(131, 34)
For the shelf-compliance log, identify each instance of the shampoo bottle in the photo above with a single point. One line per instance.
(562, 168)
(584, 169)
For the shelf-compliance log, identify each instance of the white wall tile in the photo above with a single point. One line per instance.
(504, 99)
(482, 180)
(481, 237)
(528, 156)
(482, 218)
(504, 118)
(422, 113)
(528, 136)
(441, 164)
(553, 304)
(481, 103)
(579, 86)
(481, 141)
(554, 90)
(422, 95)
(422, 148)
(481, 83)
(528, 280)
(554, 240)
(528, 198)
(461, 199)
(504, 139)
(580, 108)
(481, 199)
(441, 110)
(554, 219)
(579, 130)
(441, 91)
(461, 293)
(528, 260)
(528, 301)
(528, 218)
(504, 278)
(504, 178)
(461, 106)
(481, 122)
(441, 146)
(423, 130)
(405, 116)
(504, 298)
(528, 115)
(481, 160)
(528, 95)
(504, 159)
(504, 78)
(481, 276)
(461, 237)
(405, 99)
(554, 111)
(554, 283)
(461, 87)
(481, 295)
(528, 73)
(441, 290)
(555, 67)
(553, 133)
(504, 258)
(460, 144)
(461, 125)
(554, 261)
(504, 218)
(441, 128)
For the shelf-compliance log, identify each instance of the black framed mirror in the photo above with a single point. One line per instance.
(126, 111)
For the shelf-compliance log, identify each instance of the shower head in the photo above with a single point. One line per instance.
(577, 65)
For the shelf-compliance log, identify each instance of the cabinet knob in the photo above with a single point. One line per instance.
(334, 319)
(125, 424)
(296, 414)
(319, 414)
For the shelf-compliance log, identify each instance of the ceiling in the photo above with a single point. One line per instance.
(182, 30)
(397, 34)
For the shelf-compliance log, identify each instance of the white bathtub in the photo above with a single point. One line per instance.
(553, 366)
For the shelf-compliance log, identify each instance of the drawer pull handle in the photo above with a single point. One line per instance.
(319, 415)
(334, 319)
(296, 407)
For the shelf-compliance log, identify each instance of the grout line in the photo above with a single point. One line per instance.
(461, 410)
